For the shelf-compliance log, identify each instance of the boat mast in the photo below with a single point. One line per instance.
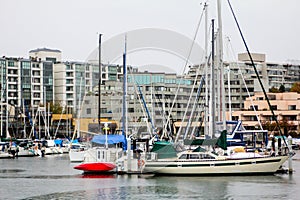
(124, 117)
(99, 84)
(220, 62)
(257, 75)
(79, 111)
(24, 119)
(212, 85)
(206, 70)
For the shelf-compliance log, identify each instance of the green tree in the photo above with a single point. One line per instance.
(274, 90)
(295, 87)
(56, 108)
(282, 88)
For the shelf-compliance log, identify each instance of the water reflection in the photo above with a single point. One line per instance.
(5, 171)
(55, 178)
(100, 176)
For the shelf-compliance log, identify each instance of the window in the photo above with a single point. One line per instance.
(88, 111)
(194, 156)
(254, 107)
(50, 59)
(292, 107)
(11, 63)
(183, 156)
(274, 107)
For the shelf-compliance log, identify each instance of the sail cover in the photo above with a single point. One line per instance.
(111, 139)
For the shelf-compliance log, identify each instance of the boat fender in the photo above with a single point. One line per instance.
(141, 163)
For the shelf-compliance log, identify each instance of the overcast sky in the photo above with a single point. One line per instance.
(269, 26)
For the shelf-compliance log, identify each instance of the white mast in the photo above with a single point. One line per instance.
(24, 118)
(7, 119)
(222, 87)
(78, 111)
(206, 71)
(212, 103)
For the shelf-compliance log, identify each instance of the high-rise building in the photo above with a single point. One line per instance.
(26, 84)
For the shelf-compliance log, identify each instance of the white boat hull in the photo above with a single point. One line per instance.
(76, 156)
(26, 153)
(5, 155)
(263, 165)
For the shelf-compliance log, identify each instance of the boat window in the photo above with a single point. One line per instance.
(183, 156)
(194, 156)
(207, 156)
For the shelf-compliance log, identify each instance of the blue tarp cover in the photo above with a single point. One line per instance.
(111, 139)
(74, 141)
(58, 141)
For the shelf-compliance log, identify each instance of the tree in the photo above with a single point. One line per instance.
(282, 88)
(56, 108)
(295, 87)
(274, 90)
(285, 126)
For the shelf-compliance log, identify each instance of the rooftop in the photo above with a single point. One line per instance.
(44, 49)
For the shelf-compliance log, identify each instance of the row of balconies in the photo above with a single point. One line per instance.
(251, 123)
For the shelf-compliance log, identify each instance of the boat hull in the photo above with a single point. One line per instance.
(96, 167)
(76, 156)
(264, 165)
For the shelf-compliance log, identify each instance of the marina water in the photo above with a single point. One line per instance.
(53, 177)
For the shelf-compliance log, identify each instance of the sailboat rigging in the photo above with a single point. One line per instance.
(211, 161)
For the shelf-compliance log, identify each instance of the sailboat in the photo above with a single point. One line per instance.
(103, 158)
(209, 156)
(200, 161)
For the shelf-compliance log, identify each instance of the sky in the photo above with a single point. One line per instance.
(72, 26)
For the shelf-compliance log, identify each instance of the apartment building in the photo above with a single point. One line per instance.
(25, 85)
(27, 82)
(44, 77)
(286, 107)
(240, 79)
(149, 99)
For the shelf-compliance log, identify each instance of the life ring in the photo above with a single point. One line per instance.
(141, 163)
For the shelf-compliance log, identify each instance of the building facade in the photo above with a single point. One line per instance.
(26, 84)
(240, 80)
(286, 107)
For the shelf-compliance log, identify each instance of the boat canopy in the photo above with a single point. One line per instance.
(111, 139)
(221, 141)
(164, 149)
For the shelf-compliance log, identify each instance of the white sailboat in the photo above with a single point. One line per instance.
(103, 158)
(210, 160)
(207, 163)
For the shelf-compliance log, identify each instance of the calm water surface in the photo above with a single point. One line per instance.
(53, 177)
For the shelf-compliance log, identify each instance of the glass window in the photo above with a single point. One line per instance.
(11, 63)
(88, 111)
(183, 156)
(194, 156)
(292, 107)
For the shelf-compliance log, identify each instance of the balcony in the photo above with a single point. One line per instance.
(36, 74)
(12, 80)
(36, 81)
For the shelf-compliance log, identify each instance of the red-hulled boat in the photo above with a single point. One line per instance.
(101, 159)
(96, 167)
